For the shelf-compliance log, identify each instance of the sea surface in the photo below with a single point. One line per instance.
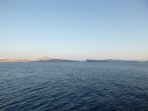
(73, 86)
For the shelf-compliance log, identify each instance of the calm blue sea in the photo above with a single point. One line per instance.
(73, 86)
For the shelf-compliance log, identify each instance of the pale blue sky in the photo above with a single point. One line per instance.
(74, 29)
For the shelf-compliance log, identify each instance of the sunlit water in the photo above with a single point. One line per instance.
(73, 86)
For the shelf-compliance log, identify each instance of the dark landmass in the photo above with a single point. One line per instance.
(113, 60)
(57, 60)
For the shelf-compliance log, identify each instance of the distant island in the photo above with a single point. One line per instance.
(114, 60)
(36, 60)
(45, 59)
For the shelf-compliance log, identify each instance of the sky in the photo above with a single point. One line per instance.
(74, 29)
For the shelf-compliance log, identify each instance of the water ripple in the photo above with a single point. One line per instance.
(73, 87)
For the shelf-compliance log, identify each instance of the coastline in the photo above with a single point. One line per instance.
(65, 60)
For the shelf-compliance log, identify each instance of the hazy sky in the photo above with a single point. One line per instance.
(74, 29)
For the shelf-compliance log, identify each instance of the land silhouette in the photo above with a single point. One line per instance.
(45, 59)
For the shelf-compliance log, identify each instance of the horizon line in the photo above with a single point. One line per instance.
(48, 58)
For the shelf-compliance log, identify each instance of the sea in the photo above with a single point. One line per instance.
(73, 86)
